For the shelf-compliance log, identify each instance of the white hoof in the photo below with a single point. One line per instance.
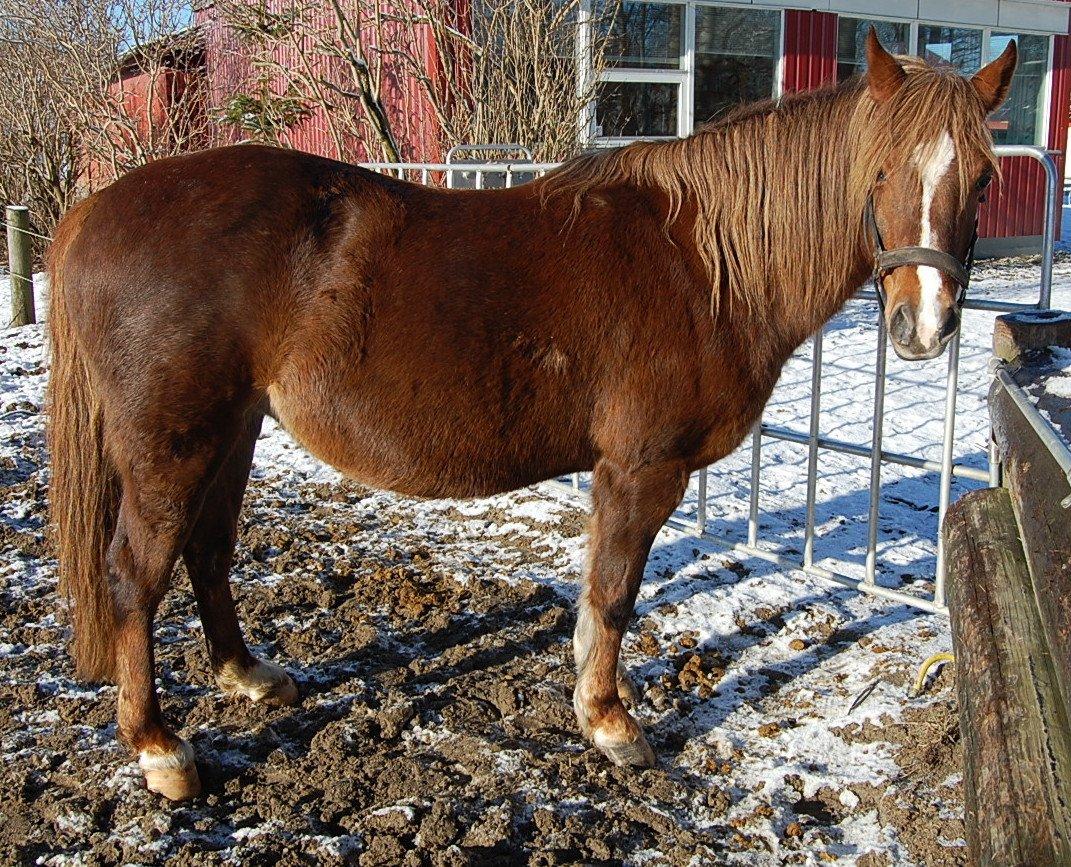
(263, 682)
(171, 773)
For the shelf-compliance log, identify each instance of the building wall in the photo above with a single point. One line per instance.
(1015, 207)
(157, 110)
(229, 71)
(810, 57)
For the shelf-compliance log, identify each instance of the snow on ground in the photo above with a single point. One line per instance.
(750, 671)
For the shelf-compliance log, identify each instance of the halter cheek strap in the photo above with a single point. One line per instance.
(887, 260)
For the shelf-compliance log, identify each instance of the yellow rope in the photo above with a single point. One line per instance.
(920, 681)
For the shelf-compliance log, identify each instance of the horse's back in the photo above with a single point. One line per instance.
(435, 342)
(189, 261)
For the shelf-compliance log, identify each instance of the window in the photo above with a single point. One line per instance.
(660, 53)
(634, 108)
(851, 42)
(735, 58)
(1019, 120)
(653, 67)
(960, 47)
(645, 36)
(639, 94)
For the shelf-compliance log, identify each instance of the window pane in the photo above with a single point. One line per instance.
(645, 36)
(851, 42)
(735, 58)
(632, 108)
(1018, 121)
(960, 47)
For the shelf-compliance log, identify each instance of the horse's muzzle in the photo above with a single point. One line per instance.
(906, 341)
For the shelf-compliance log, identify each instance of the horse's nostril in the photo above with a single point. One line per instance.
(951, 323)
(902, 324)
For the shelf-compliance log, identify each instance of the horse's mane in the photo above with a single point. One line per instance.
(762, 175)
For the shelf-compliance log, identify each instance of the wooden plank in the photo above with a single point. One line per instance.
(1037, 486)
(1018, 333)
(1016, 740)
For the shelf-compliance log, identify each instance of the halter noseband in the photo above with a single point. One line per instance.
(886, 260)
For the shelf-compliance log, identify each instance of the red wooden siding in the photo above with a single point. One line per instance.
(810, 50)
(810, 60)
(229, 72)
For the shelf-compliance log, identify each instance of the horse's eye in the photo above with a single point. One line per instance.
(980, 186)
(881, 177)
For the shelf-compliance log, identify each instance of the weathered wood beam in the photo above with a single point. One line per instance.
(1038, 485)
(1018, 333)
(1017, 742)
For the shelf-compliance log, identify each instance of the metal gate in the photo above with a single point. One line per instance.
(477, 175)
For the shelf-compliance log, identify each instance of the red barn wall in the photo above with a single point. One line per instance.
(148, 100)
(1015, 208)
(229, 71)
(810, 58)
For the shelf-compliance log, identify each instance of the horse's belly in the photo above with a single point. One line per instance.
(420, 452)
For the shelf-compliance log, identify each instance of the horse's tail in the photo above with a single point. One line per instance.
(84, 491)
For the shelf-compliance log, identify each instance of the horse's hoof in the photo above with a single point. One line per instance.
(264, 682)
(172, 774)
(636, 753)
(626, 689)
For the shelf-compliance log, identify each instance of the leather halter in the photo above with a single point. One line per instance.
(887, 260)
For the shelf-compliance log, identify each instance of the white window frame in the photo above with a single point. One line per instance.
(642, 76)
(683, 77)
(1041, 134)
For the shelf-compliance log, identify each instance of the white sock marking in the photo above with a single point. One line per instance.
(152, 759)
(254, 683)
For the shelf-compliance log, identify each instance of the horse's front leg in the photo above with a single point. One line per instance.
(630, 506)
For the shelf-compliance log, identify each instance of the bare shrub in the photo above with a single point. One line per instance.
(508, 71)
(99, 87)
(38, 148)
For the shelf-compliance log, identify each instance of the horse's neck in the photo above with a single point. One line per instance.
(798, 310)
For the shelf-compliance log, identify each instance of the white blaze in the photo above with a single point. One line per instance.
(933, 163)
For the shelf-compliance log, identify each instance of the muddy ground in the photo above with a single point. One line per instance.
(430, 643)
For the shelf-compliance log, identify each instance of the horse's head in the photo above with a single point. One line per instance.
(930, 170)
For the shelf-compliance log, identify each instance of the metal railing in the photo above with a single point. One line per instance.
(1046, 434)
(947, 466)
(458, 174)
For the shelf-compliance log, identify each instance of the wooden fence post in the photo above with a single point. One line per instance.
(20, 265)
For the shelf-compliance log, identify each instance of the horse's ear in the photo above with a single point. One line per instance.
(992, 81)
(884, 74)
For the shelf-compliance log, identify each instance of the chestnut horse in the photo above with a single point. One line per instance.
(627, 314)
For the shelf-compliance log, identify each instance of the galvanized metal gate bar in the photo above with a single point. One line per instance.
(474, 175)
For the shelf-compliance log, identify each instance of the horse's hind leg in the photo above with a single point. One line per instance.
(208, 555)
(159, 503)
(630, 506)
